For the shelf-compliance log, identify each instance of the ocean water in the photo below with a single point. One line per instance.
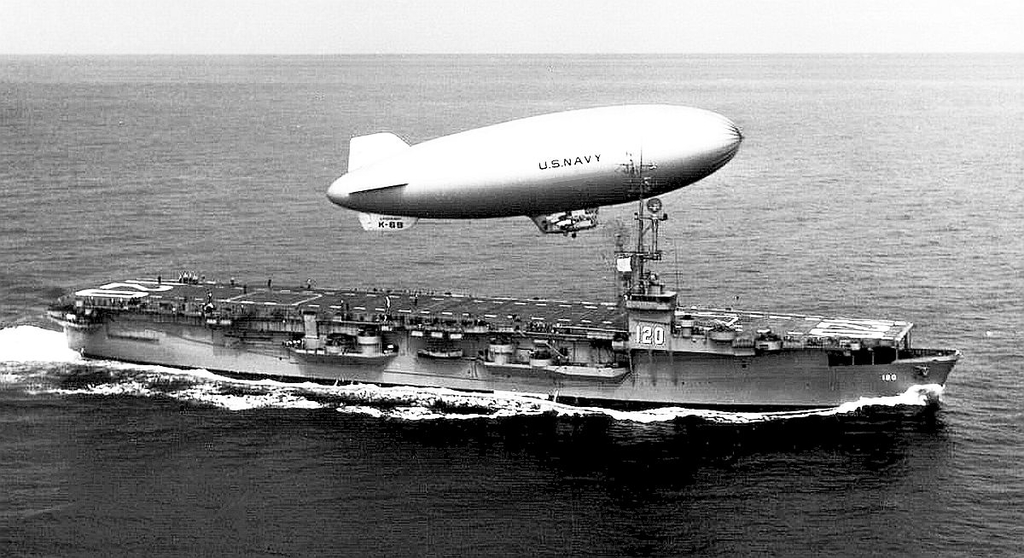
(881, 186)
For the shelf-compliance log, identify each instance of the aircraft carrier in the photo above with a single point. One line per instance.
(642, 350)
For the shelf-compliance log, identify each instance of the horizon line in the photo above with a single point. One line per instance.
(538, 53)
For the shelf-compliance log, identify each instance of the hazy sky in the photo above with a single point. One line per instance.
(513, 26)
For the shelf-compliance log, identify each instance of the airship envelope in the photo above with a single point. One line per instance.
(557, 169)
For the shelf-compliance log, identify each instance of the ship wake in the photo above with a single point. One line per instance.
(37, 362)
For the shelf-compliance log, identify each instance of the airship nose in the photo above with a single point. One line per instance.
(736, 134)
(729, 143)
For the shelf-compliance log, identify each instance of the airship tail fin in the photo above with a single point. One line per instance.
(386, 223)
(363, 150)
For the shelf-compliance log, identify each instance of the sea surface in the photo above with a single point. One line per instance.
(878, 186)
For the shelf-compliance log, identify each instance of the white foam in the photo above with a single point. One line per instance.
(132, 388)
(424, 404)
(209, 394)
(915, 396)
(419, 404)
(34, 344)
(361, 410)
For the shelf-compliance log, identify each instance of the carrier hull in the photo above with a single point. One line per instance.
(559, 354)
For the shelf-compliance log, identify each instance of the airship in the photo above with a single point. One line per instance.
(557, 169)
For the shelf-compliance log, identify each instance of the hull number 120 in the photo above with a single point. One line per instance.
(647, 334)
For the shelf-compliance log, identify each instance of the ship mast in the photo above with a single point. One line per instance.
(649, 215)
